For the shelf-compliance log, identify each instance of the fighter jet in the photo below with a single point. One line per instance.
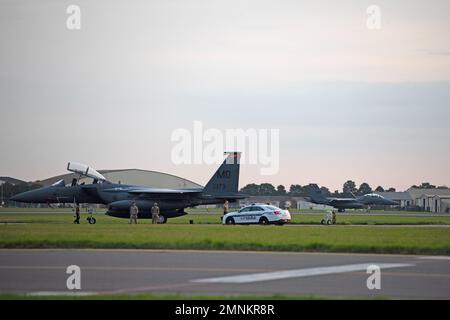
(119, 197)
(341, 204)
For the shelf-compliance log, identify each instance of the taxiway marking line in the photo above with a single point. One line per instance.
(308, 272)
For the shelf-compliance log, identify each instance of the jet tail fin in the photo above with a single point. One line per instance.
(225, 180)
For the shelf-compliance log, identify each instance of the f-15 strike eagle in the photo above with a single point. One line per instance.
(341, 204)
(118, 197)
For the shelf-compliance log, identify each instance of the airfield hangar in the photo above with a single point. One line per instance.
(130, 176)
(431, 200)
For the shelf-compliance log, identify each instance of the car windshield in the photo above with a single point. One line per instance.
(273, 208)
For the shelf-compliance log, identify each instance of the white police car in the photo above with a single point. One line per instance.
(258, 213)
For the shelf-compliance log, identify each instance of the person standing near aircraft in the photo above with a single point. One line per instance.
(77, 214)
(155, 213)
(225, 208)
(134, 210)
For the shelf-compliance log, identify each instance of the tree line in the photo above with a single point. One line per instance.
(349, 188)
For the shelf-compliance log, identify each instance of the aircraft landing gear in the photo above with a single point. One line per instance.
(91, 220)
(341, 210)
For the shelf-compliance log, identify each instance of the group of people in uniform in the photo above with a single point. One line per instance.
(134, 210)
(90, 211)
(77, 216)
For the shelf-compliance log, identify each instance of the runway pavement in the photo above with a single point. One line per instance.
(224, 273)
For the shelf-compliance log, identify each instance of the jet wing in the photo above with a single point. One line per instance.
(163, 191)
(341, 201)
(230, 195)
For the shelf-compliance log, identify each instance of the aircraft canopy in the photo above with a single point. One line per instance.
(85, 171)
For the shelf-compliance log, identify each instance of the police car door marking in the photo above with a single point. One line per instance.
(308, 272)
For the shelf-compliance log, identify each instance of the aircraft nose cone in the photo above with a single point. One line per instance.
(389, 202)
(21, 197)
(17, 198)
(14, 198)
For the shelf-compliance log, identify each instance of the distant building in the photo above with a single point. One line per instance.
(130, 176)
(10, 180)
(285, 201)
(431, 200)
(278, 201)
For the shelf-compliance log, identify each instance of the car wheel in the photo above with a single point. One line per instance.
(92, 221)
(229, 220)
(322, 221)
(264, 221)
(329, 222)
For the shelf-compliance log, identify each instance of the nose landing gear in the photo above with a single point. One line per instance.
(91, 220)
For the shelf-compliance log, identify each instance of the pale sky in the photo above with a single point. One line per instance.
(350, 103)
